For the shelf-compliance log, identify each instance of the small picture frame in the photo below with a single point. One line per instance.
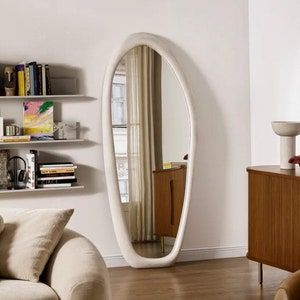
(66, 130)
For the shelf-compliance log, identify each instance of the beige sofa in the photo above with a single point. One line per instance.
(75, 271)
(289, 289)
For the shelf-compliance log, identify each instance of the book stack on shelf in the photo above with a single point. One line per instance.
(33, 79)
(56, 175)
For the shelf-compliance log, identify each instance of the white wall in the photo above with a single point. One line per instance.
(274, 27)
(209, 39)
(175, 118)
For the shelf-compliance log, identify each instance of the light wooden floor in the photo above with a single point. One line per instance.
(232, 279)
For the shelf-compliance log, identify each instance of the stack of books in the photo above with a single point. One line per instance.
(55, 175)
(33, 79)
(15, 138)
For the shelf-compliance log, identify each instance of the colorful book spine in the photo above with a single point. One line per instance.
(21, 79)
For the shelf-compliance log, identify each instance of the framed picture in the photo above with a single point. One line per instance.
(38, 119)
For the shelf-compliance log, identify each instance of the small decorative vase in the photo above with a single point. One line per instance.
(10, 81)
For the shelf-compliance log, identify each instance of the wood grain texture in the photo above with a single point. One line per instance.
(226, 279)
(169, 188)
(275, 171)
(274, 215)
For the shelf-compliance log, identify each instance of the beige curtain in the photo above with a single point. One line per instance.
(143, 82)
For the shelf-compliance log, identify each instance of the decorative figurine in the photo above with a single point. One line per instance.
(295, 160)
(10, 81)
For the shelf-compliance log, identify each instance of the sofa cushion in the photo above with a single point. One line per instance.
(25, 290)
(28, 240)
(1, 224)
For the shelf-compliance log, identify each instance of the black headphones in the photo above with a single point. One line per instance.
(22, 174)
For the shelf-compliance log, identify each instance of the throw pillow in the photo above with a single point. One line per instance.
(29, 239)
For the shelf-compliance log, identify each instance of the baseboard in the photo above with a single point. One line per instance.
(113, 261)
(211, 253)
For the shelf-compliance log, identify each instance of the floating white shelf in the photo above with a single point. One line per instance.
(45, 142)
(75, 187)
(52, 97)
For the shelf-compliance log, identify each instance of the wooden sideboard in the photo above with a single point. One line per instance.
(169, 188)
(274, 217)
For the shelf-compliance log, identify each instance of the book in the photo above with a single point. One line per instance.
(27, 80)
(44, 85)
(15, 138)
(39, 80)
(57, 170)
(21, 79)
(33, 78)
(69, 168)
(58, 178)
(54, 185)
(54, 171)
(4, 156)
(32, 169)
(35, 153)
(56, 164)
(56, 175)
(1, 127)
(38, 119)
(172, 165)
(55, 181)
(48, 80)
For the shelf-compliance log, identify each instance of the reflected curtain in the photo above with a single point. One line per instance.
(144, 144)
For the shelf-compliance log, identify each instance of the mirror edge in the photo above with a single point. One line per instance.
(119, 223)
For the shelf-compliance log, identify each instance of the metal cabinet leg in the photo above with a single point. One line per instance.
(260, 273)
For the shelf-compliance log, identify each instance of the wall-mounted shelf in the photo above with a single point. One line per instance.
(75, 187)
(45, 142)
(51, 97)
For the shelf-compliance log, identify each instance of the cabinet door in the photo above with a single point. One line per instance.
(259, 238)
(270, 220)
(282, 219)
(296, 227)
(169, 188)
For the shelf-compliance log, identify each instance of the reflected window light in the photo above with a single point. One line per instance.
(119, 121)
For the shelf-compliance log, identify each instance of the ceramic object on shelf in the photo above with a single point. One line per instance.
(10, 81)
(287, 132)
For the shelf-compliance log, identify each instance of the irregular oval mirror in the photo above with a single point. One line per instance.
(151, 134)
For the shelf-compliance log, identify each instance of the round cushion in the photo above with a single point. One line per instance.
(25, 290)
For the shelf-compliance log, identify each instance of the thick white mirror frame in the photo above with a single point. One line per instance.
(119, 222)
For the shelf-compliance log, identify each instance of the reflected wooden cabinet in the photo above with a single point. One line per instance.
(169, 187)
(274, 217)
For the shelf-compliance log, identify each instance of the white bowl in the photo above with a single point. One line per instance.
(286, 128)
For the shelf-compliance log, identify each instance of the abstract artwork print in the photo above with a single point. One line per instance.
(38, 119)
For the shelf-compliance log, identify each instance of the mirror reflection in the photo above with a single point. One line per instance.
(151, 137)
